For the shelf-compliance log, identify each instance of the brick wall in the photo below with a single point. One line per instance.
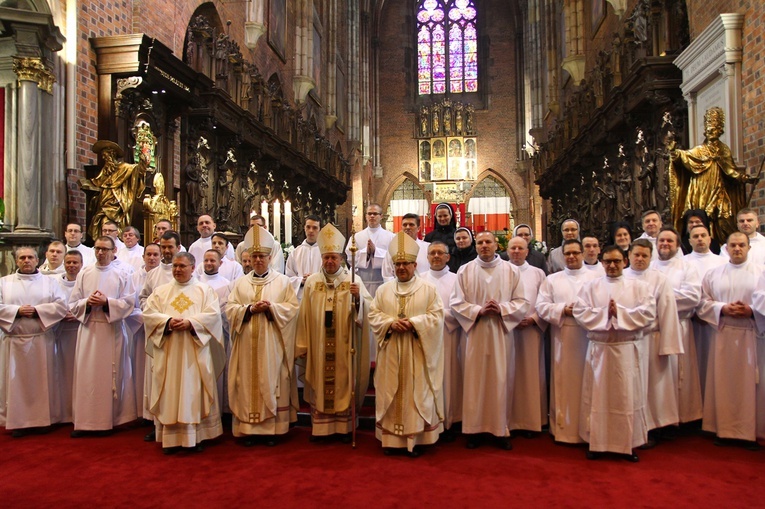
(496, 126)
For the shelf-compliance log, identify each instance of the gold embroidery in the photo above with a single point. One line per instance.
(255, 356)
(181, 303)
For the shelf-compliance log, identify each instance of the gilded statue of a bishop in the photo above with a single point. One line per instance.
(118, 185)
(705, 177)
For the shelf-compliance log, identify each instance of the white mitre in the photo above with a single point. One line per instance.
(403, 248)
(331, 240)
(258, 240)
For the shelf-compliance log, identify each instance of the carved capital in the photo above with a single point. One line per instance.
(124, 84)
(301, 86)
(33, 69)
(252, 32)
(575, 66)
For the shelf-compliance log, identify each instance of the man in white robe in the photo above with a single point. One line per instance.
(703, 260)
(748, 223)
(306, 258)
(206, 227)
(372, 244)
(222, 287)
(31, 305)
(734, 402)
(54, 259)
(73, 236)
(150, 260)
(555, 305)
(228, 269)
(529, 411)
(686, 285)
(591, 246)
(162, 226)
(664, 342)
(104, 393)
(617, 313)
(330, 318)
(410, 224)
(489, 302)
(132, 252)
(66, 333)
(184, 328)
(261, 311)
(444, 280)
(407, 320)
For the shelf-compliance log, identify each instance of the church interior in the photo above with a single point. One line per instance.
(523, 112)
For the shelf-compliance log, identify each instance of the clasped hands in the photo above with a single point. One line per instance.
(259, 307)
(402, 325)
(26, 311)
(178, 324)
(737, 309)
(490, 308)
(97, 299)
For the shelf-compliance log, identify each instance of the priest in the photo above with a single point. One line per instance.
(331, 315)
(261, 311)
(407, 320)
(184, 330)
(31, 305)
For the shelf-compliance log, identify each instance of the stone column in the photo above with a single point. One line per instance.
(32, 76)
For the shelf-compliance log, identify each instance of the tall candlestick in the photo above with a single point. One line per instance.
(264, 212)
(277, 222)
(287, 222)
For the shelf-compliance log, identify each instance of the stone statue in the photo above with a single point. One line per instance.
(118, 185)
(436, 121)
(705, 177)
(158, 206)
(424, 121)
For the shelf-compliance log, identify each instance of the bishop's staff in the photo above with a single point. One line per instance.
(352, 345)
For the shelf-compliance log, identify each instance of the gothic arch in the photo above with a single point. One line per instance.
(490, 172)
(388, 194)
(40, 6)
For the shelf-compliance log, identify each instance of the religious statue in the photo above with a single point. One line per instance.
(118, 185)
(424, 121)
(436, 121)
(458, 118)
(705, 177)
(157, 206)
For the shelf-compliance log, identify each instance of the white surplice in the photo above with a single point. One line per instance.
(444, 281)
(568, 352)
(369, 268)
(261, 386)
(664, 344)
(529, 410)
(132, 256)
(614, 388)
(104, 393)
(734, 401)
(423, 265)
(222, 288)
(32, 394)
(66, 347)
(410, 365)
(184, 397)
(305, 259)
(686, 285)
(202, 245)
(756, 250)
(596, 268)
(489, 346)
(702, 331)
(228, 269)
(88, 255)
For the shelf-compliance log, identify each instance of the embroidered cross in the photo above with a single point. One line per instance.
(181, 303)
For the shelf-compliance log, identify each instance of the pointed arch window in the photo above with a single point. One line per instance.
(447, 46)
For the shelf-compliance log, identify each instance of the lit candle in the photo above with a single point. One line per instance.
(264, 212)
(287, 222)
(277, 222)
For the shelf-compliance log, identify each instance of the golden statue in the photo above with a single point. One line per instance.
(705, 177)
(118, 185)
(158, 206)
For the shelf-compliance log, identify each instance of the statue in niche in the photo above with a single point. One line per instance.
(118, 185)
(158, 206)
(436, 121)
(624, 184)
(221, 55)
(469, 112)
(458, 118)
(705, 177)
(424, 121)
(447, 118)
(249, 193)
(194, 182)
(226, 186)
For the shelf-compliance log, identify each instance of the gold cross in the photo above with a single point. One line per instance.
(181, 303)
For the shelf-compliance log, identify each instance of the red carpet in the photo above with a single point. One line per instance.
(122, 471)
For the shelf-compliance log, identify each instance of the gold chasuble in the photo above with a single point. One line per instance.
(262, 390)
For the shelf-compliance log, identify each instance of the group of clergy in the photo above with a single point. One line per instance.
(642, 338)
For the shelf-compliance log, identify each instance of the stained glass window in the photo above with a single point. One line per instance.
(447, 46)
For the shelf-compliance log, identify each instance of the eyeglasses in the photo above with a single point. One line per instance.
(437, 253)
(572, 253)
(70, 230)
(99, 248)
(611, 262)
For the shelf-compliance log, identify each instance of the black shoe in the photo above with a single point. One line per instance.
(78, 433)
(448, 436)
(504, 443)
(632, 458)
(103, 433)
(473, 442)
(650, 444)
(271, 441)
(197, 448)
(169, 451)
(750, 445)
(388, 451)
(669, 432)
(19, 433)
(346, 438)
(150, 437)
(593, 455)
(723, 442)
(249, 441)
(416, 452)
